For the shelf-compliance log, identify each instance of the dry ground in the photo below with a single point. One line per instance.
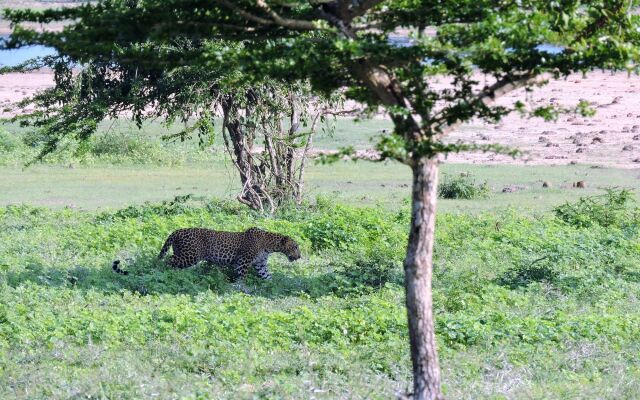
(610, 138)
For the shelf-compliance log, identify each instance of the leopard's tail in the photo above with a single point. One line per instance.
(117, 269)
(165, 247)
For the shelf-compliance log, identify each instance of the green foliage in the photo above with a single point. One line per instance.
(529, 272)
(123, 145)
(20, 146)
(533, 292)
(613, 209)
(365, 273)
(8, 142)
(329, 233)
(462, 186)
(585, 109)
(177, 206)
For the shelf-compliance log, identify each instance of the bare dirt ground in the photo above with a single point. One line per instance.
(610, 138)
(5, 29)
(15, 87)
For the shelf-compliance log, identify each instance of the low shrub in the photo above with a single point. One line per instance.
(539, 270)
(122, 145)
(612, 209)
(179, 205)
(133, 148)
(19, 145)
(329, 232)
(8, 142)
(462, 186)
(364, 272)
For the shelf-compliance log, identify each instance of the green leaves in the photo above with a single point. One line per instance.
(612, 209)
(462, 186)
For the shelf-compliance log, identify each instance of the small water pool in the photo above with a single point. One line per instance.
(11, 58)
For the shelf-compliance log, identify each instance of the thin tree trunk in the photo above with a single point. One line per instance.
(251, 192)
(303, 159)
(418, 270)
(294, 124)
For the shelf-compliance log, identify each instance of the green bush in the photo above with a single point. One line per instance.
(21, 145)
(179, 205)
(462, 186)
(133, 147)
(330, 232)
(8, 142)
(364, 271)
(613, 209)
(538, 270)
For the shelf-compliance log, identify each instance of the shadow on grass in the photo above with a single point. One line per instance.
(632, 276)
(148, 276)
(539, 270)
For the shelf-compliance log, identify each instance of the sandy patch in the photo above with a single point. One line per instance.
(5, 29)
(15, 87)
(611, 137)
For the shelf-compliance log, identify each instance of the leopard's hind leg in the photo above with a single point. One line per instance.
(240, 266)
(180, 262)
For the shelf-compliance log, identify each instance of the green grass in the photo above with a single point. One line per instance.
(527, 305)
(329, 326)
(361, 183)
(123, 166)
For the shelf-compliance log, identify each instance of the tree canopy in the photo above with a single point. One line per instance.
(343, 44)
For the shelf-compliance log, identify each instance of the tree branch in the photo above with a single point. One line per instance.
(245, 14)
(286, 22)
(354, 9)
(275, 18)
(381, 82)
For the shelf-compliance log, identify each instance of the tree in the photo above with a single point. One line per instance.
(149, 84)
(273, 175)
(483, 49)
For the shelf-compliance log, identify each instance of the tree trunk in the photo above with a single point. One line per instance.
(418, 270)
(294, 124)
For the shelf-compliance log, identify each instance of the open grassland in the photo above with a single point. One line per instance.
(123, 166)
(361, 183)
(527, 307)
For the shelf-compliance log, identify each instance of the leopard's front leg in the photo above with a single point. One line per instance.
(260, 265)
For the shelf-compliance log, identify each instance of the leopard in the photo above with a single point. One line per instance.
(238, 250)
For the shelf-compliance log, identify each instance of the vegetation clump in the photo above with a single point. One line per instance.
(462, 186)
(126, 147)
(612, 209)
(8, 142)
(508, 303)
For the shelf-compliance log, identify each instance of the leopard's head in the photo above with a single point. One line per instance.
(290, 248)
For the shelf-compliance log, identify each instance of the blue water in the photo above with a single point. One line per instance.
(404, 41)
(11, 58)
(549, 48)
